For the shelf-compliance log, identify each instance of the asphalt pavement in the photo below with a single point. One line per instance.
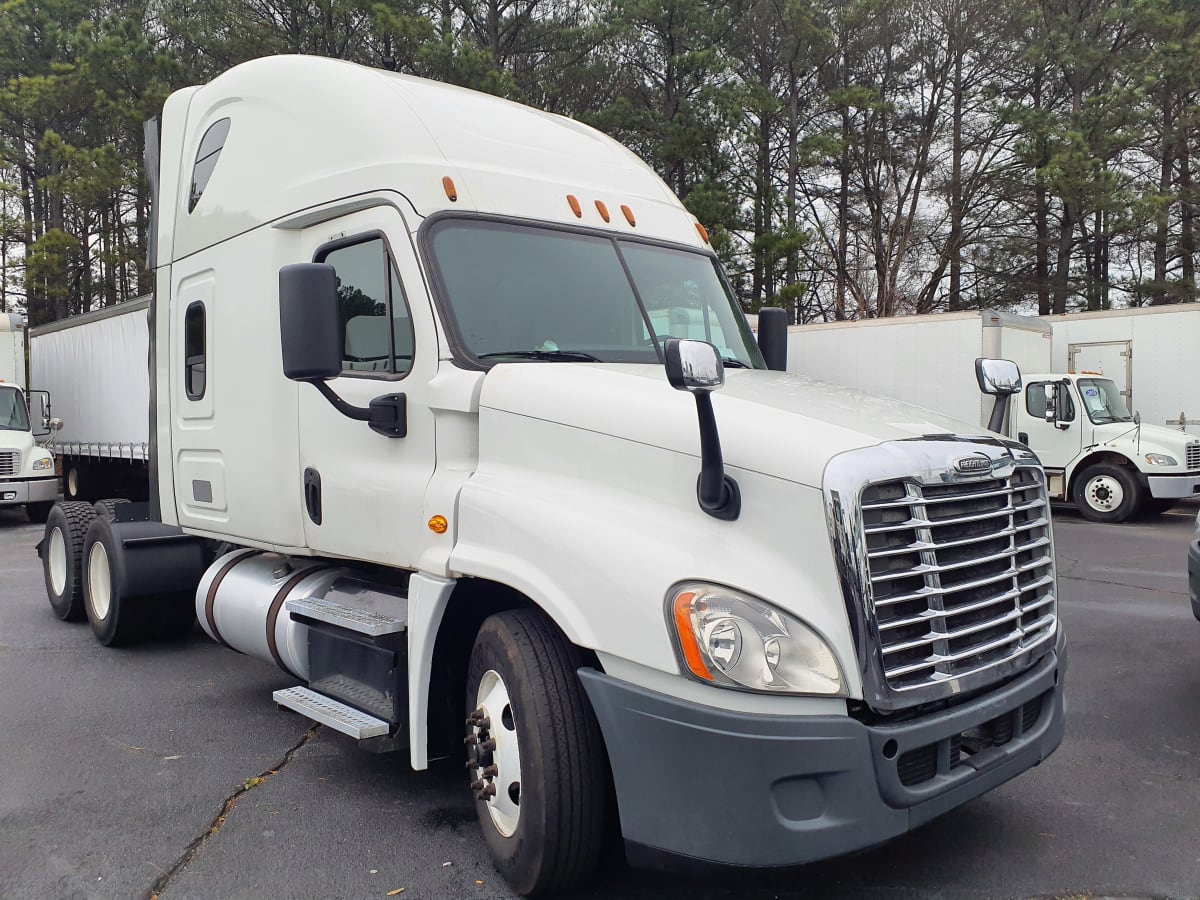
(167, 769)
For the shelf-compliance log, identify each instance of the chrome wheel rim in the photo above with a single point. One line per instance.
(99, 582)
(495, 753)
(1104, 493)
(58, 562)
(73, 482)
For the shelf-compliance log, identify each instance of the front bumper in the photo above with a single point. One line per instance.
(739, 789)
(28, 490)
(1194, 576)
(1173, 487)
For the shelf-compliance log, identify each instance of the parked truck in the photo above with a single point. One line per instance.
(95, 367)
(1097, 453)
(26, 468)
(421, 436)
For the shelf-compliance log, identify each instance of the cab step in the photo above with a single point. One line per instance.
(363, 621)
(328, 711)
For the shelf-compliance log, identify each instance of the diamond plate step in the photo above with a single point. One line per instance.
(328, 711)
(361, 620)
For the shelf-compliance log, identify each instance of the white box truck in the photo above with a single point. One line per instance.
(1096, 452)
(421, 436)
(1150, 353)
(26, 469)
(95, 366)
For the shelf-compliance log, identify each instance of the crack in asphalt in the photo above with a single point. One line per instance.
(214, 826)
(1123, 584)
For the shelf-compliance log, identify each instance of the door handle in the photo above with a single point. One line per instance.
(312, 494)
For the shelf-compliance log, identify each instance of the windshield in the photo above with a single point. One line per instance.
(1103, 401)
(13, 415)
(517, 292)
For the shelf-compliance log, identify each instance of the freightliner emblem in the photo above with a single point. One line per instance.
(972, 465)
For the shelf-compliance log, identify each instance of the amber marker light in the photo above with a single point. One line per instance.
(438, 524)
(629, 216)
(573, 202)
(703, 232)
(450, 189)
(687, 636)
(602, 209)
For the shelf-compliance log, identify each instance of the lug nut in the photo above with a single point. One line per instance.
(471, 764)
(489, 792)
(478, 785)
(489, 744)
(485, 722)
(491, 771)
(470, 740)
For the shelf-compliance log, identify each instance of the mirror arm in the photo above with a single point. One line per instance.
(999, 411)
(387, 415)
(361, 413)
(717, 493)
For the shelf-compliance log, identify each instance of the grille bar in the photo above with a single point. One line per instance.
(1193, 455)
(960, 572)
(921, 522)
(10, 462)
(917, 546)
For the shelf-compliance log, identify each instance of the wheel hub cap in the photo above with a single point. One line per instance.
(1104, 493)
(58, 562)
(494, 756)
(99, 582)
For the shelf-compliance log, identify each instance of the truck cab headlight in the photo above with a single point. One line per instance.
(40, 465)
(727, 638)
(1160, 459)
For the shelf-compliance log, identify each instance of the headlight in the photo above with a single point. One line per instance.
(727, 638)
(42, 464)
(1160, 459)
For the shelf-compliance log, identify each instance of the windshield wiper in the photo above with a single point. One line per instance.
(552, 355)
(730, 362)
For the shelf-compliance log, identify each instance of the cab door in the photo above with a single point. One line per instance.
(363, 492)
(1054, 445)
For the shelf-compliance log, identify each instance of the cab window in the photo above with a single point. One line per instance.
(373, 317)
(1035, 400)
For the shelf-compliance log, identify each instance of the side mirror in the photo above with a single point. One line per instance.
(772, 337)
(694, 366)
(43, 416)
(1051, 403)
(308, 322)
(1000, 377)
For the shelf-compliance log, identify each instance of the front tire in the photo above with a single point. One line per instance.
(1107, 493)
(62, 555)
(535, 755)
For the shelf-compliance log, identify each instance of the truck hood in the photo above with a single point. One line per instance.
(774, 423)
(1134, 442)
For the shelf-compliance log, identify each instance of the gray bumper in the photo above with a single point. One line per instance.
(751, 790)
(1194, 576)
(28, 490)
(1173, 487)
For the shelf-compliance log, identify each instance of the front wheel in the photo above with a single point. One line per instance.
(1107, 493)
(535, 757)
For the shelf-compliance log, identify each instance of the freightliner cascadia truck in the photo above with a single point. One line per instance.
(455, 418)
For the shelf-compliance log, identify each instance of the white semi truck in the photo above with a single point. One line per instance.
(421, 437)
(26, 469)
(1097, 453)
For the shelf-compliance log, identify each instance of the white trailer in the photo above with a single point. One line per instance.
(928, 361)
(95, 366)
(421, 436)
(12, 349)
(1152, 354)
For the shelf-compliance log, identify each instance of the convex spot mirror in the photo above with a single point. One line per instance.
(998, 376)
(308, 322)
(694, 366)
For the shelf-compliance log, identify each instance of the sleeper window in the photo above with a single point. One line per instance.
(206, 159)
(373, 321)
(194, 355)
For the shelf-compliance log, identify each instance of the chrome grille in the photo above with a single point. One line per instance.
(10, 462)
(961, 574)
(1193, 455)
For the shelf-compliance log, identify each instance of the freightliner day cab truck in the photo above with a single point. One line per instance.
(26, 469)
(1096, 452)
(422, 437)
